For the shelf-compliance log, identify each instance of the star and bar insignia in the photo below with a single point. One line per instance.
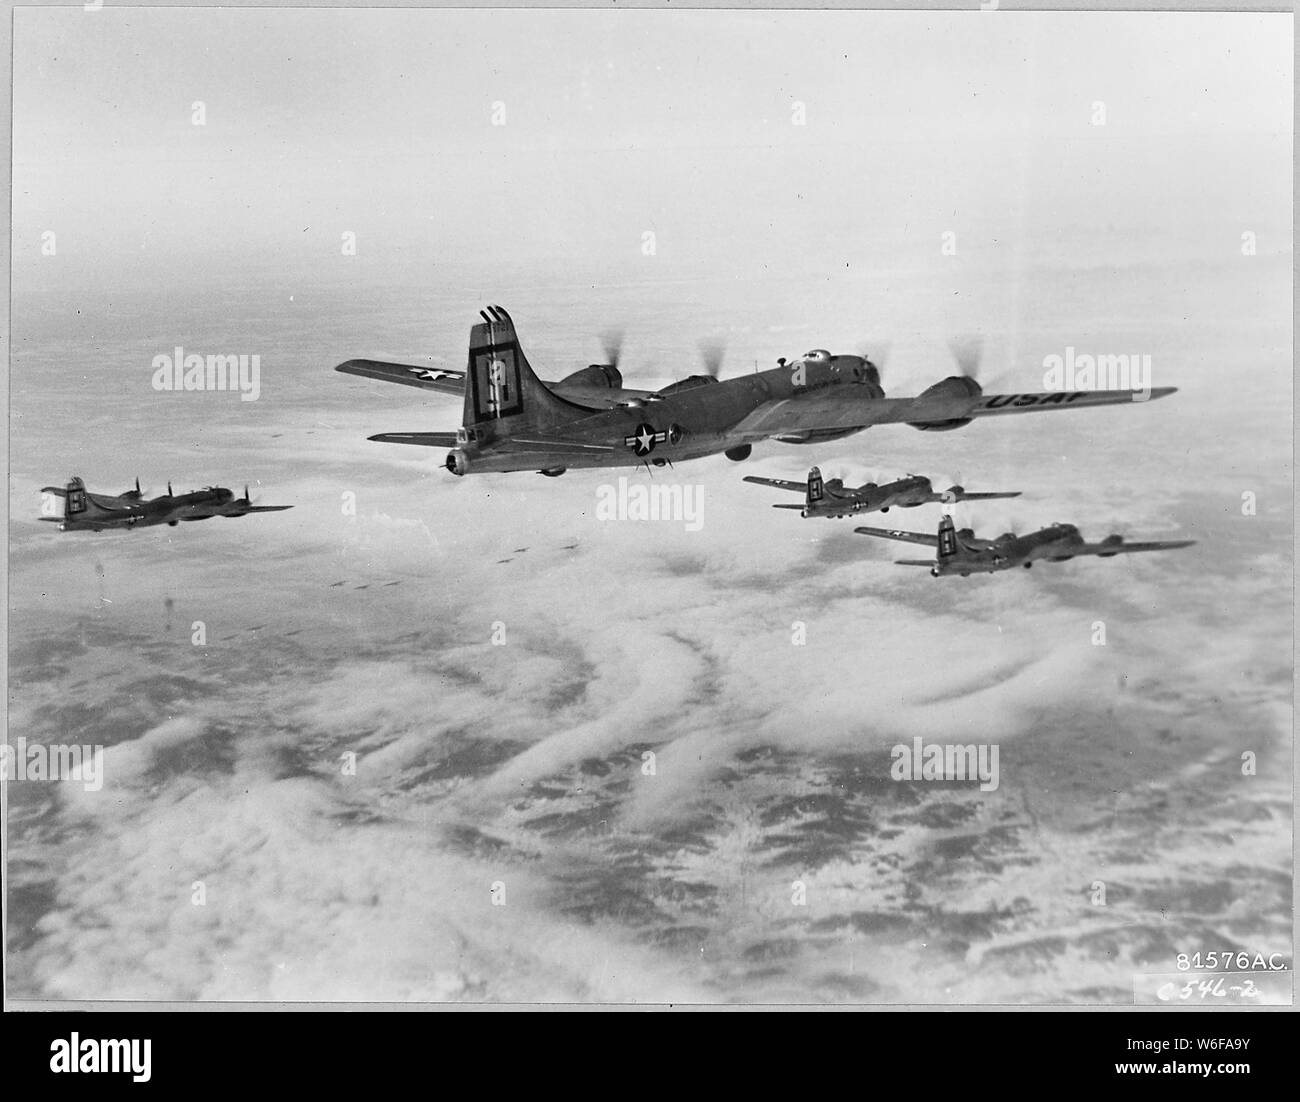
(643, 441)
(433, 374)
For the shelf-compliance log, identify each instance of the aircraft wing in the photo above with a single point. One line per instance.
(552, 446)
(779, 483)
(828, 410)
(234, 508)
(424, 439)
(927, 538)
(1124, 548)
(446, 380)
(965, 496)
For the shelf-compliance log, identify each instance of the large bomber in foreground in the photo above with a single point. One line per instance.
(515, 422)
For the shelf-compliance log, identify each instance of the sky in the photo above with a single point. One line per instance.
(368, 632)
(380, 123)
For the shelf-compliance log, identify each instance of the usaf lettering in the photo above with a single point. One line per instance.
(1059, 397)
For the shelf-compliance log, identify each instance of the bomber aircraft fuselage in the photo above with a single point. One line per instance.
(961, 552)
(831, 498)
(84, 511)
(512, 421)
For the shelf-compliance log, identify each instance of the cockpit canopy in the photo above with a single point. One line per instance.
(817, 356)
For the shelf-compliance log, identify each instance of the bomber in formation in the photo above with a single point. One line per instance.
(87, 512)
(830, 498)
(960, 552)
(513, 421)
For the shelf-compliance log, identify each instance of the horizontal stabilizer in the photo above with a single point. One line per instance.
(426, 378)
(913, 562)
(779, 483)
(896, 534)
(787, 505)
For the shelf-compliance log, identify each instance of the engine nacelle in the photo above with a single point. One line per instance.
(955, 386)
(597, 375)
(457, 462)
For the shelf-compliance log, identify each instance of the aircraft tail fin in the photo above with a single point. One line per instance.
(503, 396)
(947, 538)
(75, 502)
(816, 489)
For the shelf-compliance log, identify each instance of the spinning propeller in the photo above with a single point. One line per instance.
(876, 353)
(968, 351)
(612, 342)
(712, 351)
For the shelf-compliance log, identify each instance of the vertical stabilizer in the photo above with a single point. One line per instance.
(816, 491)
(947, 538)
(74, 499)
(503, 396)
